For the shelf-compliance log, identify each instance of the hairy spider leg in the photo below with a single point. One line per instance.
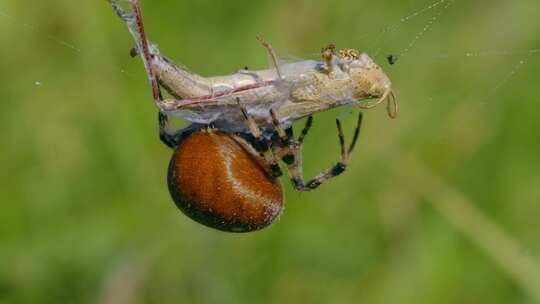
(262, 145)
(295, 167)
(305, 130)
(285, 140)
(289, 147)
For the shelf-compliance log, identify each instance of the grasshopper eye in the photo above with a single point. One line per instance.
(216, 180)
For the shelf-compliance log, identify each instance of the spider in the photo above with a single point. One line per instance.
(227, 177)
(229, 181)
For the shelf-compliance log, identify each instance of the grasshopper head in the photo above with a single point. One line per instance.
(369, 80)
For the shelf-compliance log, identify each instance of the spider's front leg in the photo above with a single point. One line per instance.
(293, 158)
(262, 145)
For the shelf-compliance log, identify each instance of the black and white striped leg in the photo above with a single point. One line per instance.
(285, 141)
(290, 148)
(262, 145)
(305, 130)
(297, 178)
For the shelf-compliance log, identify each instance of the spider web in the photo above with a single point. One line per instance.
(76, 51)
(438, 9)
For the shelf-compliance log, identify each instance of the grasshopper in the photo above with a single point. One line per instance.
(292, 90)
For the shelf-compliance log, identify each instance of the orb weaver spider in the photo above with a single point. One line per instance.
(225, 165)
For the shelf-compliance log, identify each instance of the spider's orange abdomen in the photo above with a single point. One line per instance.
(218, 180)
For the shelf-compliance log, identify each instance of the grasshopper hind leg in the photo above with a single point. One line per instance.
(178, 81)
(135, 25)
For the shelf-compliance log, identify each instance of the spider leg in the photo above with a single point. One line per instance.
(289, 148)
(295, 169)
(305, 130)
(261, 144)
(285, 141)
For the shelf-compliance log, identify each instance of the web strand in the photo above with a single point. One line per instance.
(489, 53)
(425, 29)
(388, 31)
(506, 79)
(32, 29)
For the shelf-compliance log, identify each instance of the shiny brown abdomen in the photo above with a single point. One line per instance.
(217, 180)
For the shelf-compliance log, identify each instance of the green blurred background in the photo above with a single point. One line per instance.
(438, 206)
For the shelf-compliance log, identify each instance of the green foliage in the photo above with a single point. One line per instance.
(86, 217)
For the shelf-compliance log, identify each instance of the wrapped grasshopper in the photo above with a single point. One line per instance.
(292, 90)
(224, 169)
